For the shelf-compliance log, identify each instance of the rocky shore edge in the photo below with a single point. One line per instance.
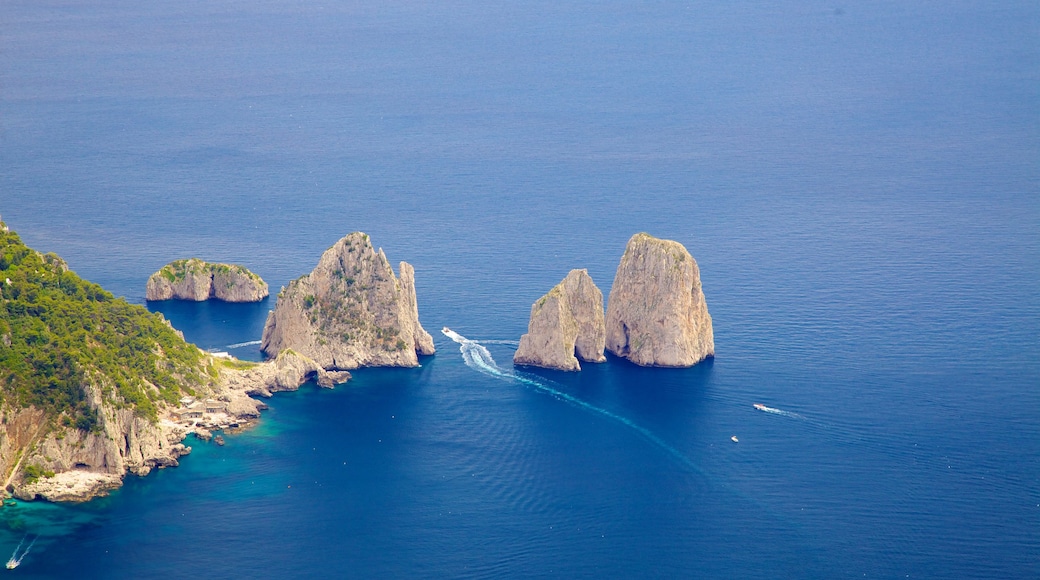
(231, 407)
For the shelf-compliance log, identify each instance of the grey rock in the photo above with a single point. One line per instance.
(196, 280)
(656, 312)
(350, 311)
(566, 325)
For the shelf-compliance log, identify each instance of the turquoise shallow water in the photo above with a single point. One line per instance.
(859, 185)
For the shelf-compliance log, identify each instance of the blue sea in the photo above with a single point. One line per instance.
(858, 181)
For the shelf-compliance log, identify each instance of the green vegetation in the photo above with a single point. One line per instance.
(60, 333)
(35, 472)
(238, 365)
(179, 269)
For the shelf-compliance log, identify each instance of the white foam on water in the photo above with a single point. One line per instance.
(15, 559)
(241, 344)
(478, 357)
(776, 411)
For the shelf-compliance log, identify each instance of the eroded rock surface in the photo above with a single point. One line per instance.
(196, 280)
(350, 311)
(656, 312)
(566, 325)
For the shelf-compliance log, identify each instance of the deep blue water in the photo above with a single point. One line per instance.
(859, 182)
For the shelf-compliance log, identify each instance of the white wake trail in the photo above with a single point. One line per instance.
(478, 357)
(241, 344)
(16, 559)
(775, 411)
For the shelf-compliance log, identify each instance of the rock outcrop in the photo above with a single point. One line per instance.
(566, 325)
(83, 464)
(196, 280)
(656, 312)
(350, 311)
(286, 372)
(75, 465)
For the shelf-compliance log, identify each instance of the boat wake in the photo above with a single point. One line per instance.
(776, 411)
(16, 559)
(478, 357)
(242, 344)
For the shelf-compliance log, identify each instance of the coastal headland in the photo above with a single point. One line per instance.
(95, 388)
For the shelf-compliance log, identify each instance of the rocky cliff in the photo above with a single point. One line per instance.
(58, 463)
(68, 464)
(656, 312)
(566, 325)
(196, 280)
(350, 311)
(93, 388)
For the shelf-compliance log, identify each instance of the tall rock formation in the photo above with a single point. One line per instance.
(656, 313)
(196, 280)
(566, 325)
(350, 311)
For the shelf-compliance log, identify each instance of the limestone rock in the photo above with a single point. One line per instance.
(286, 372)
(69, 486)
(350, 311)
(84, 464)
(656, 312)
(196, 280)
(566, 325)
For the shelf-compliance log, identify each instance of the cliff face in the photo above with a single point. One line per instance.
(566, 324)
(83, 464)
(93, 387)
(76, 465)
(350, 311)
(196, 280)
(656, 313)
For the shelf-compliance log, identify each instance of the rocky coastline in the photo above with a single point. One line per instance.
(78, 467)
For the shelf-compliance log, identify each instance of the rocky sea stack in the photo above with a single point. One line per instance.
(350, 311)
(656, 313)
(196, 280)
(566, 325)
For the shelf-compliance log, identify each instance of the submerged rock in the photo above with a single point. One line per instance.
(566, 325)
(350, 311)
(656, 312)
(196, 280)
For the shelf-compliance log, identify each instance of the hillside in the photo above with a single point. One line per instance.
(85, 377)
(59, 332)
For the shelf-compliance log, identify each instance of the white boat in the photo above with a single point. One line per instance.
(12, 564)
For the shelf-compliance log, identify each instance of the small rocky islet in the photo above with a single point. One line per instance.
(656, 313)
(566, 325)
(196, 280)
